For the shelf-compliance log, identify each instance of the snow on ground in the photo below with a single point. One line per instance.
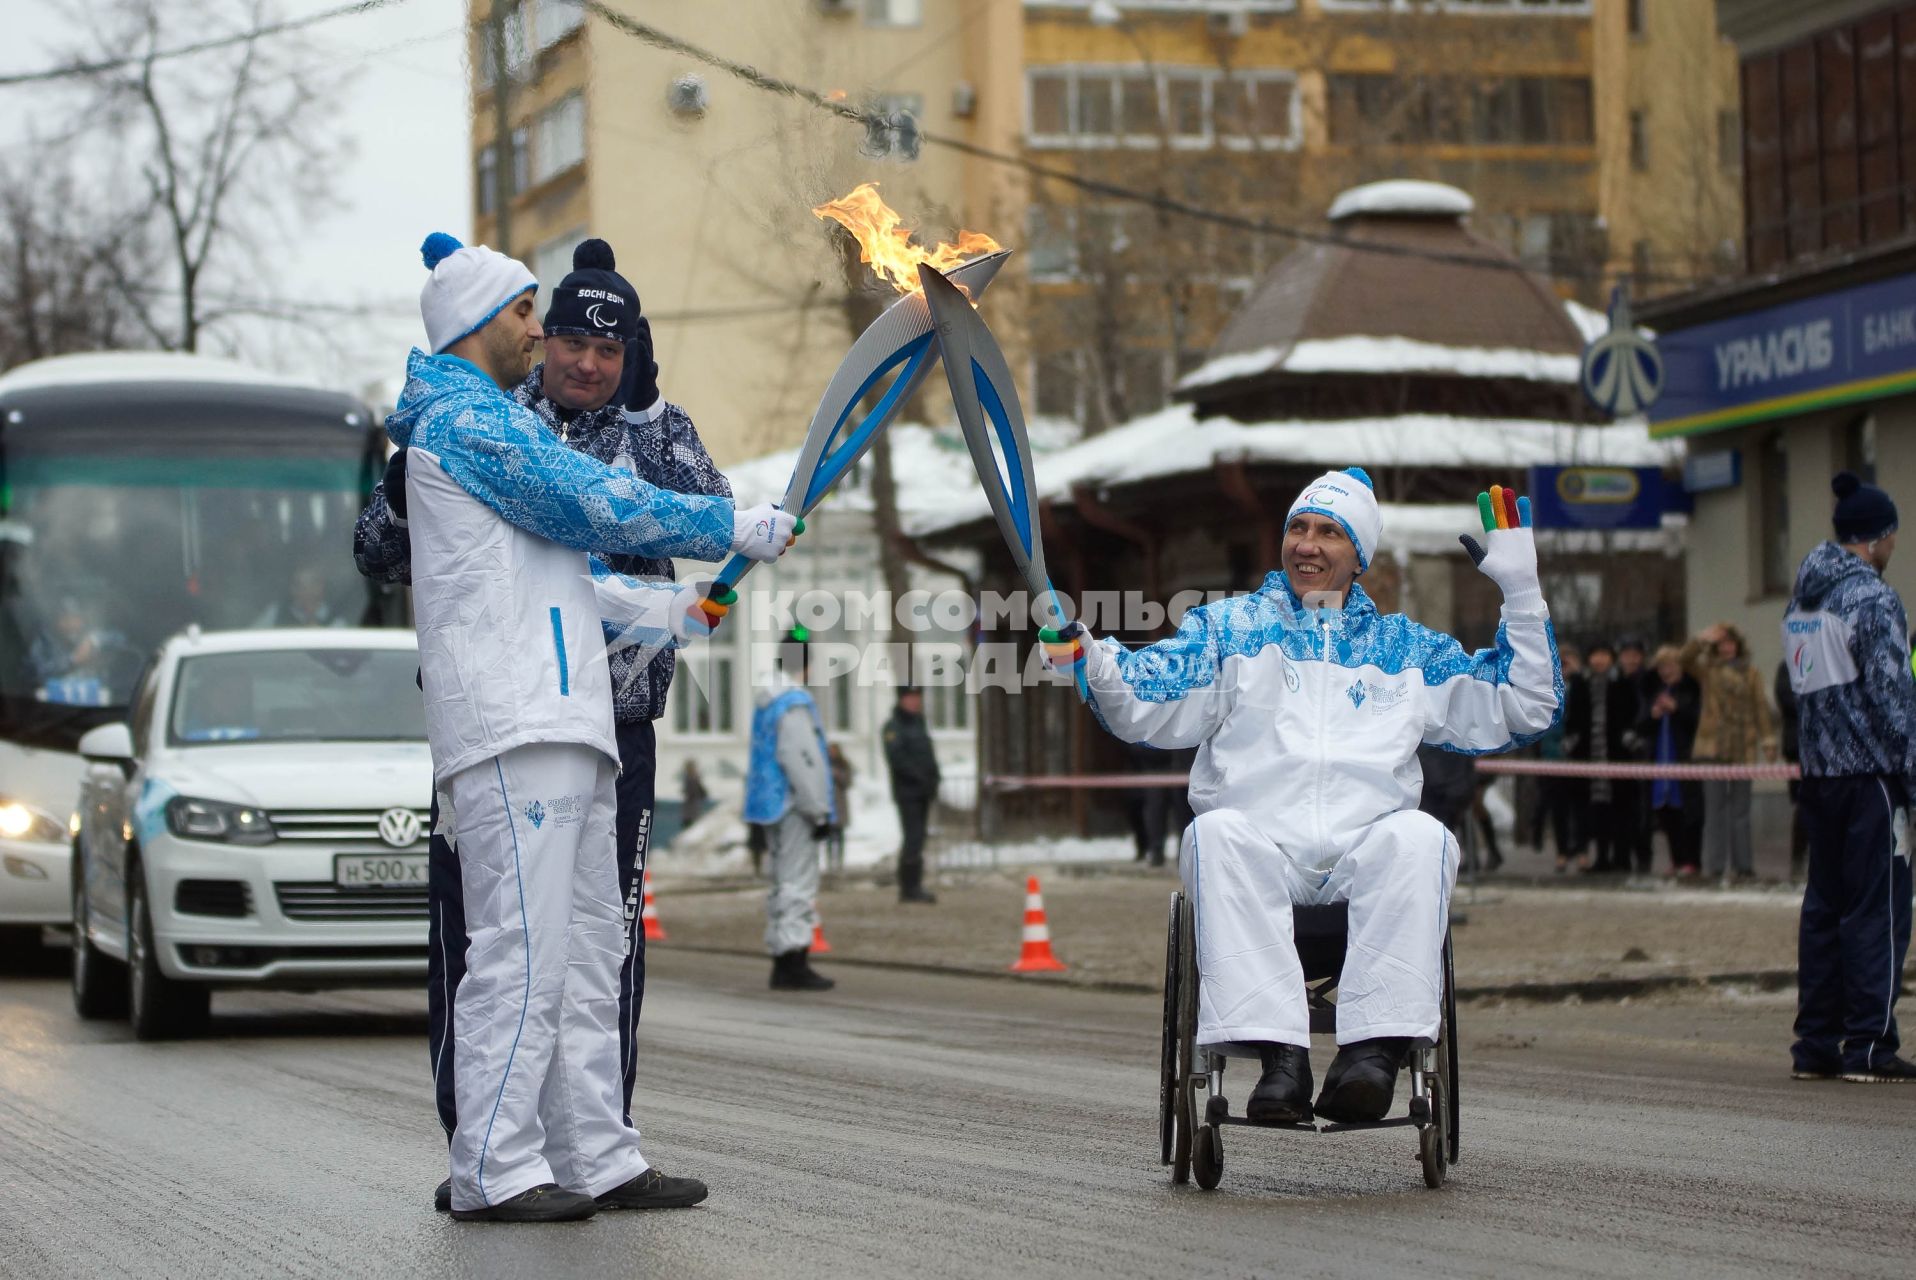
(1358, 353)
(1402, 196)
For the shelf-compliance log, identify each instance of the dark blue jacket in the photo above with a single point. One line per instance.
(1846, 645)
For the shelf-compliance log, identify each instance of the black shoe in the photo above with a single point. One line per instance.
(1283, 1093)
(1890, 1070)
(916, 894)
(654, 1190)
(547, 1202)
(442, 1197)
(791, 972)
(1362, 1078)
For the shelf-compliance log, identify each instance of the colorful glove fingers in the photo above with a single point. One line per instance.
(707, 611)
(1499, 508)
(1063, 646)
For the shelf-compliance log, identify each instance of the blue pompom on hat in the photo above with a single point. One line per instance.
(1361, 474)
(469, 285)
(1863, 512)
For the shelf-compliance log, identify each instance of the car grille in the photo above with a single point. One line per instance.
(323, 900)
(213, 898)
(340, 826)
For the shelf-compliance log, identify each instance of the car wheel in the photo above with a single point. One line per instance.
(161, 1008)
(99, 981)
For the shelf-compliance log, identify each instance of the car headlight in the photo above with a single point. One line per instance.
(214, 820)
(24, 822)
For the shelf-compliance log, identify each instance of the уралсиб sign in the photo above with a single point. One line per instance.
(1836, 348)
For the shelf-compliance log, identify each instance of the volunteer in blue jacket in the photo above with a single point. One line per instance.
(512, 647)
(788, 791)
(595, 331)
(1307, 706)
(1846, 645)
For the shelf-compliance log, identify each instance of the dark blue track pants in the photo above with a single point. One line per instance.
(1854, 936)
(446, 929)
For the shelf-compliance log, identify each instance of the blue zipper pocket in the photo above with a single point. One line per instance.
(558, 644)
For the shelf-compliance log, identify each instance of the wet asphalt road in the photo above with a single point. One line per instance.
(913, 1125)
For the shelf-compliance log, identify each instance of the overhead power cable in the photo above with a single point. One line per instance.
(74, 70)
(870, 120)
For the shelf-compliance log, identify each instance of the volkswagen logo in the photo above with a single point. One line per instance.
(399, 827)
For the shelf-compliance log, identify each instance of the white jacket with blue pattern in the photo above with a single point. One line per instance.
(1309, 722)
(509, 608)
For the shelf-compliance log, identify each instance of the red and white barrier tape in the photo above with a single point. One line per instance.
(1485, 764)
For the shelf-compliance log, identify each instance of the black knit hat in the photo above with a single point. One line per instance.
(594, 301)
(1864, 513)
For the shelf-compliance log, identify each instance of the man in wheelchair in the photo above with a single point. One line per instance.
(1307, 706)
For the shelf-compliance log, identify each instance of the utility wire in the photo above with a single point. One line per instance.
(768, 83)
(74, 70)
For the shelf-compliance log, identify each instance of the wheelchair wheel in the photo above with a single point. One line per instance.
(1168, 1051)
(1207, 1156)
(1184, 1105)
(1430, 1139)
(1449, 1059)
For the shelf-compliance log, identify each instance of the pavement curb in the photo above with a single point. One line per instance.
(1541, 992)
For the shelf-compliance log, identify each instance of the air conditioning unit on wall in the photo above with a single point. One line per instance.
(687, 96)
(836, 8)
(1230, 22)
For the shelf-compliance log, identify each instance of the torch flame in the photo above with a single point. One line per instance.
(888, 246)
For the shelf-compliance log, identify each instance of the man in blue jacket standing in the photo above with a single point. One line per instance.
(519, 715)
(1846, 645)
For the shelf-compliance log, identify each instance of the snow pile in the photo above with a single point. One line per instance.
(1357, 353)
(1174, 441)
(1402, 196)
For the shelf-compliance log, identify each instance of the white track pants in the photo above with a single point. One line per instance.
(1396, 873)
(537, 1015)
(791, 908)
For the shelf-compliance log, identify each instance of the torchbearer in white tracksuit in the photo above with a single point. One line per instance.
(788, 791)
(512, 618)
(1307, 707)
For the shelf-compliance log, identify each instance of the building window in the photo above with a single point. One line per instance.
(521, 160)
(485, 179)
(894, 13)
(1640, 260)
(1639, 142)
(1095, 107)
(1773, 510)
(1859, 447)
(552, 260)
(1729, 140)
(702, 699)
(1056, 394)
(518, 51)
(1514, 110)
(1633, 17)
(561, 142)
(893, 130)
(554, 20)
(1051, 249)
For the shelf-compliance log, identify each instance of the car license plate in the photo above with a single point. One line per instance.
(379, 870)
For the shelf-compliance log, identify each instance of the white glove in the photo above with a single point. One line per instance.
(1510, 560)
(763, 532)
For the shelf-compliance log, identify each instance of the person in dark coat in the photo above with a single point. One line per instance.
(1562, 803)
(914, 786)
(1669, 726)
(1600, 720)
(1632, 796)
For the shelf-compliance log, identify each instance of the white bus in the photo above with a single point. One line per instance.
(141, 493)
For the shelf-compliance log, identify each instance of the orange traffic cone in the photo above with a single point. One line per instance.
(1036, 957)
(819, 945)
(649, 915)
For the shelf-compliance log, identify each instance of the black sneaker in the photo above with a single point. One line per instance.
(1891, 1070)
(793, 972)
(1824, 1070)
(547, 1202)
(1362, 1078)
(654, 1190)
(442, 1197)
(1283, 1093)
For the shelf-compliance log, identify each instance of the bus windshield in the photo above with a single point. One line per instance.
(111, 541)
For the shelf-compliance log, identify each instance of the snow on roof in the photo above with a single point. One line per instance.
(1174, 441)
(135, 366)
(1362, 354)
(1402, 196)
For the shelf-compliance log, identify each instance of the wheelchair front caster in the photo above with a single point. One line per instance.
(1432, 1147)
(1207, 1156)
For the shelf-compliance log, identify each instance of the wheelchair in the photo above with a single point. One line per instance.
(1192, 1143)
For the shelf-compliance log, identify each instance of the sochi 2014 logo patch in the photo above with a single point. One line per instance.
(1802, 660)
(1356, 694)
(536, 815)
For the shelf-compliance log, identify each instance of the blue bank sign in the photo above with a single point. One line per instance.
(1855, 344)
(1599, 497)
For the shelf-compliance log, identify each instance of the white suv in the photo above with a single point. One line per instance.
(260, 822)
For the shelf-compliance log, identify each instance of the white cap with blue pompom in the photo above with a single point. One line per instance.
(469, 285)
(1349, 498)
